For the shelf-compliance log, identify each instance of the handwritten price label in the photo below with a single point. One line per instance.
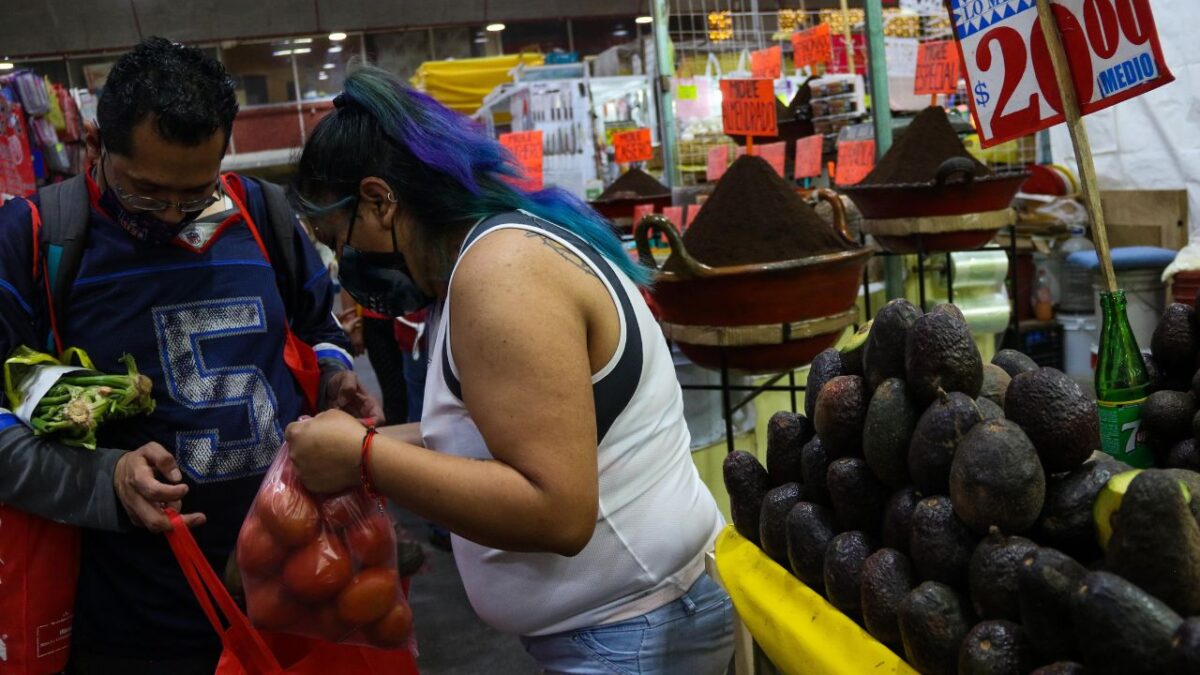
(808, 156)
(937, 68)
(748, 107)
(717, 162)
(812, 46)
(1112, 47)
(632, 146)
(767, 62)
(526, 146)
(855, 153)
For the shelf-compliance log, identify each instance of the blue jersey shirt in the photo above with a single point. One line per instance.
(207, 325)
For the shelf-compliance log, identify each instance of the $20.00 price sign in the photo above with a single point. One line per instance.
(1112, 48)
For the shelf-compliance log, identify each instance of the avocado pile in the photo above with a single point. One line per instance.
(956, 509)
(1170, 422)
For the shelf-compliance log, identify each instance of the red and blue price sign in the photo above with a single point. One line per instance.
(1112, 48)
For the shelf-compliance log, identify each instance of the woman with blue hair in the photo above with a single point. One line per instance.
(553, 443)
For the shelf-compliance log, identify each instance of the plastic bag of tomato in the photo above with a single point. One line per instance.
(322, 566)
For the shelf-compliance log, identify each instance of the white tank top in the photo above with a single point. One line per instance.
(655, 518)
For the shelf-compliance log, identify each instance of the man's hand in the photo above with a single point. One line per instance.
(344, 392)
(144, 495)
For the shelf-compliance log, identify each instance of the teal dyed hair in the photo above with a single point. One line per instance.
(439, 163)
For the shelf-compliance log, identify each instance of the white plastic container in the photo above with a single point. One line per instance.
(1080, 333)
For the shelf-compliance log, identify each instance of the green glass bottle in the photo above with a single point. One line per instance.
(1121, 384)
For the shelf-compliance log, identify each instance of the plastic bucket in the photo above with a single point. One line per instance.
(1080, 334)
(1144, 298)
(1184, 286)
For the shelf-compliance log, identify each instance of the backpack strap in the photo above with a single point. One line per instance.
(280, 240)
(61, 226)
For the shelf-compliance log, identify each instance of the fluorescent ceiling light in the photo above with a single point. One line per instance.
(620, 32)
(6, 65)
(329, 66)
(337, 37)
(302, 50)
(495, 27)
(644, 19)
(335, 49)
(302, 41)
(281, 52)
(480, 40)
(323, 76)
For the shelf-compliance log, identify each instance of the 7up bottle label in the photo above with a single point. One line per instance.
(1121, 435)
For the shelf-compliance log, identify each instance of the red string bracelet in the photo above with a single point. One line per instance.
(367, 481)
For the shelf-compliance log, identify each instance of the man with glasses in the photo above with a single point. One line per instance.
(174, 272)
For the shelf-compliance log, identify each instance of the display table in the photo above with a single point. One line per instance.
(795, 627)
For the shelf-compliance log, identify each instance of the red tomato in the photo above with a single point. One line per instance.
(318, 570)
(289, 514)
(328, 625)
(340, 512)
(270, 607)
(368, 596)
(257, 552)
(372, 541)
(393, 629)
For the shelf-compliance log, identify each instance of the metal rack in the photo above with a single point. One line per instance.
(727, 389)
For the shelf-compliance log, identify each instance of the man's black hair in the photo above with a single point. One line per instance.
(188, 93)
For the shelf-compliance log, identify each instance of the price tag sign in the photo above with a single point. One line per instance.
(632, 146)
(841, 54)
(808, 156)
(812, 46)
(767, 62)
(675, 215)
(937, 68)
(855, 153)
(718, 161)
(641, 211)
(748, 107)
(526, 146)
(772, 153)
(692, 212)
(1112, 47)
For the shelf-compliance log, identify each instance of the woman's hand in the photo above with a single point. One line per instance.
(326, 450)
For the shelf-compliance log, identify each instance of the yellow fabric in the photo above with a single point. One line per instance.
(796, 627)
(461, 84)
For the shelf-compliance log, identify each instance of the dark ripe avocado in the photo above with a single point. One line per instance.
(1185, 648)
(1056, 415)
(1184, 455)
(1120, 628)
(950, 310)
(938, 432)
(844, 558)
(1061, 668)
(747, 483)
(772, 522)
(883, 356)
(852, 352)
(1066, 522)
(887, 432)
(934, 619)
(1155, 376)
(814, 464)
(841, 411)
(1195, 388)
(995, 384)
(857, 495)
(995, 647)
(897, 518)
(1168, 415)
(787, 433)
(824, 367)
(1014, 362)
(1155, 541)
(887, 577)
(989, 410)
(1191, 481)
(941, 546)
(1174, 342)
(941, 356)
(1045, 582)
(992, 575)
(996, 479)
(810, 528)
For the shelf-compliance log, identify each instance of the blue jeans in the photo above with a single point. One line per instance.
(692, 635)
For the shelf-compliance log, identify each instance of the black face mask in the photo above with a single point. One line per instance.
(380, 282)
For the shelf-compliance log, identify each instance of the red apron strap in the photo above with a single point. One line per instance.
(240, 637)
(298, 355)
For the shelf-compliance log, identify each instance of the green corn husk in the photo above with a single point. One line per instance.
(75, 407)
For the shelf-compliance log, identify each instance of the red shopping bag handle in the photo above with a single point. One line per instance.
(240, 637)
